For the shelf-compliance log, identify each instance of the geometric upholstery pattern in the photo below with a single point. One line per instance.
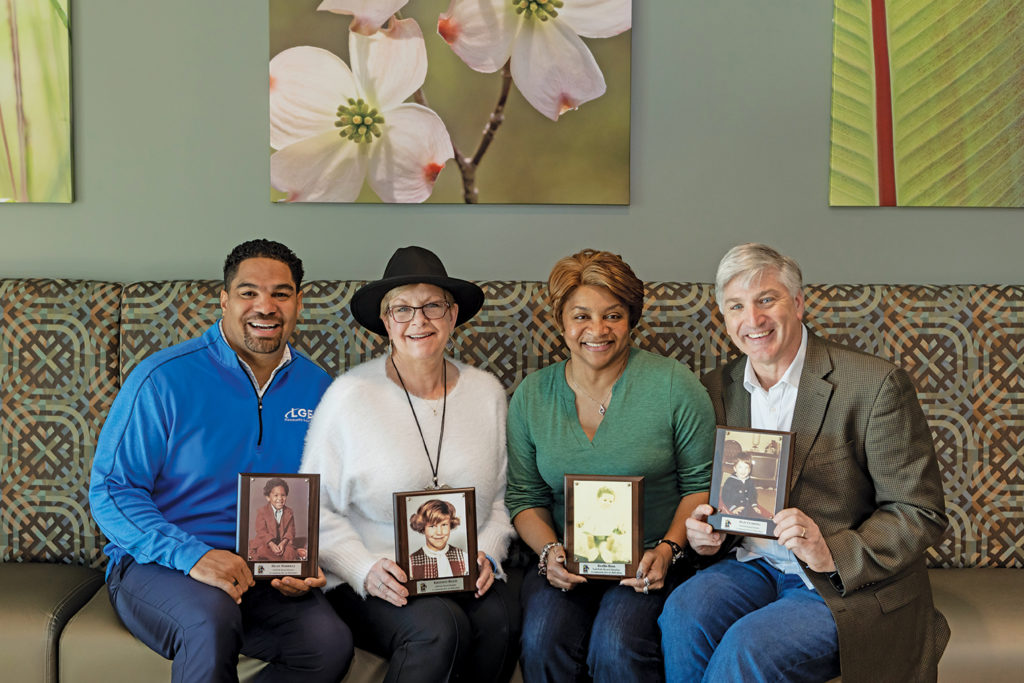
(58, 377)
(962, 346)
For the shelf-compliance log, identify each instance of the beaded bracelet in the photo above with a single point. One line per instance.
(542, 565)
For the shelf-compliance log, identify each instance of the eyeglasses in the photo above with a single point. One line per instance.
(432, 311)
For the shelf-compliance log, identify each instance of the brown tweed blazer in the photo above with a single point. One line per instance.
(864, 470)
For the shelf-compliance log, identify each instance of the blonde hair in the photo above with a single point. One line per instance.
(597, 269)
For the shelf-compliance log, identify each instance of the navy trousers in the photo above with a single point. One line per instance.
(202, 629)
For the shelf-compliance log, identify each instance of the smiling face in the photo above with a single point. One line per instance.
(764, 321)
(420, 338)
(260, 309)
(741, 469)
(596, 328)
(277, 498)
(437, 534)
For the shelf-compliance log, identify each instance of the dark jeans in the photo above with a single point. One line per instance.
(599, 630)
(748, 622)
(455, 636)
(202, 629)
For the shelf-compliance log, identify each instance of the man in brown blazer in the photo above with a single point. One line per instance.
(843, 586)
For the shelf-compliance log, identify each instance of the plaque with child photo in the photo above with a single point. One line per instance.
(603, 525)
(749, 480)
(278, 521)
(435, 539)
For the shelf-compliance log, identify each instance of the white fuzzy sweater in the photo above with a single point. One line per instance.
(364, 444)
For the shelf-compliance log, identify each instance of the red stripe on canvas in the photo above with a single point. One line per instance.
(883, 107)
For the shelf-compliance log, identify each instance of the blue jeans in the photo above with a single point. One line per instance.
(747, 621)
(202, 629)
(599, 630)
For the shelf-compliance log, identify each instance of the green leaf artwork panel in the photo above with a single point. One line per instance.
(953, 109)
(35, 101)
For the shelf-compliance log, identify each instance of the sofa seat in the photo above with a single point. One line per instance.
(95, 647)
(983, 607)
(38, 599)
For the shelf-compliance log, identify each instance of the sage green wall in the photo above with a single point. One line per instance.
(730, 143)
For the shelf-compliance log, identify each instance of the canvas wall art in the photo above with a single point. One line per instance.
(450, 101)
(35, 101)
(926, 103)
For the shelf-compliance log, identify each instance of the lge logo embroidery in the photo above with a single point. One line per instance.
(298, 415)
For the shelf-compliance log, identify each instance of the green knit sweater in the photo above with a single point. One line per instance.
(659, 424)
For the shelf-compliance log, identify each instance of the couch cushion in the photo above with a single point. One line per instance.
(96, 648)
(983, 610)
(37, 600)
(58, 377)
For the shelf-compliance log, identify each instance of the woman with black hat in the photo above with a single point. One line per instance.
(409, 420)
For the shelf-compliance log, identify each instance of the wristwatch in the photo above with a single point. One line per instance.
(678, 553)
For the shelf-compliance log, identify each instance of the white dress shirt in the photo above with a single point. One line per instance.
(773, 410)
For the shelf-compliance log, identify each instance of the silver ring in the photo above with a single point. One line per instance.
(565, 590)
(645, 590)
(379, 585)
(647, 581)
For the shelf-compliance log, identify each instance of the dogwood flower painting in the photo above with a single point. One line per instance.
(450, 101)
(35, 101)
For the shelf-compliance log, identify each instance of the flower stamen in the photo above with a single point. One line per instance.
(542, 9)
(358, 121)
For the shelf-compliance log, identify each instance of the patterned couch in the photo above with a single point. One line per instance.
(66, 346)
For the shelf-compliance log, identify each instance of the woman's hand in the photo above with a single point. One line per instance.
(654, 565)
(558, 575)
(385, 582)
(486, 577)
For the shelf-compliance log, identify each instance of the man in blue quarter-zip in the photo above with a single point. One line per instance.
(188, 420)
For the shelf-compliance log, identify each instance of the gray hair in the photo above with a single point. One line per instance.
(750, 262)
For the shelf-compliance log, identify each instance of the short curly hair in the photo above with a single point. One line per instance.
(433, 512)
(598, 269)
(261, 248)
(274, 483)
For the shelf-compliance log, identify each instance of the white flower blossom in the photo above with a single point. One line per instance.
(552, 67)
(333, 126)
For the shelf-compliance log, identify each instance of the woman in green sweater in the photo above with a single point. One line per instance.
(611, 409)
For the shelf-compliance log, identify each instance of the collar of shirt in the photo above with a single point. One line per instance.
(277, 513)
(286, 358)
(773, 410)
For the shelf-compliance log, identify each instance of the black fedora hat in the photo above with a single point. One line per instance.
(408, 266)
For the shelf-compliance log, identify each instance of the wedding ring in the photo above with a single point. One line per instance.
(379, 585)
(645, 590)
(647, 582)
(803, 532)
(234, 582)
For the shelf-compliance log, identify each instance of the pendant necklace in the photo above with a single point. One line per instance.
(601, 405)
(444, 409)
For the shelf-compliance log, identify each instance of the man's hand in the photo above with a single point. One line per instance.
(699, 534)
(224, 570)
(798, 533)
(292, 587)
(486, 577)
